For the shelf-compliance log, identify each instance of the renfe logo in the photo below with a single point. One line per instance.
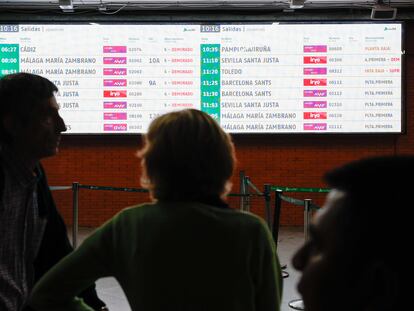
(114, 60)
(114, 49)
(115, 105)
(314, 126)
(315, 93)
(315, 48)
(314, 115)
(314, 82)
(115, 82)
(122, 93)
(115, 116)
(115, 71)
(115, 127)
(315, 71)
(314, 59)
(315, 104)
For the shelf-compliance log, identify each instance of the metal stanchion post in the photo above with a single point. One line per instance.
(242, 189)
(268, 209)
(247, 192)
(276, 215)
(307, 218)
(75, 207)
(276, 225)
(297, 304)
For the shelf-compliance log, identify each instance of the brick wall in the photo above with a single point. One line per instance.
(287, 160)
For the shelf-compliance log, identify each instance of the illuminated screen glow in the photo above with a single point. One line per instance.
(252, 78)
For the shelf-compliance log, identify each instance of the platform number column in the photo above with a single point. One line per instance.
(210, 80)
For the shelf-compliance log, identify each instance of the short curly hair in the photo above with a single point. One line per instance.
(186, 156)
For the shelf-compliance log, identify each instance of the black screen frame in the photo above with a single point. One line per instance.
(197, 20)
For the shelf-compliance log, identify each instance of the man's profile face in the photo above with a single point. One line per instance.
(40, 137)
(325, 281)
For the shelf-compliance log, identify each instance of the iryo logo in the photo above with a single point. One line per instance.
(314, 82)
(314, 115)
(115, 93)
(314, 59)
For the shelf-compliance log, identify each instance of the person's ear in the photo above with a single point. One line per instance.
(227, 188)
(381, 286)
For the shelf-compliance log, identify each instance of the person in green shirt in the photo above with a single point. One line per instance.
(186, 250)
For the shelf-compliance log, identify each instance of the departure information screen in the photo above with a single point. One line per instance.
(251, 78)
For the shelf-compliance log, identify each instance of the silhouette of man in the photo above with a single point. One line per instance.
(32, 233)
(356, 258)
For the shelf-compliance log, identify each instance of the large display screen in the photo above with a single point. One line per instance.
(252, 78)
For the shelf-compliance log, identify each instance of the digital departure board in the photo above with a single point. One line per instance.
(252, 78)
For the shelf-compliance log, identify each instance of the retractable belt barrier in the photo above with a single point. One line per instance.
(245, 203)
(266, 194)
(245, 195)
(54, 188)
(298, 202)
(105, 188)
(293, 189)
(306, 203)
(77, 186)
